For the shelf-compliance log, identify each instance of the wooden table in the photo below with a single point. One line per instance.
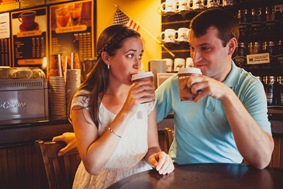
(206, 176)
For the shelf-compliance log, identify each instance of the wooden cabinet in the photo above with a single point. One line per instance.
(277, 155)
(20, 166)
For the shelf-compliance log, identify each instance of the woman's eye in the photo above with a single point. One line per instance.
(130, 55)
(140, 56)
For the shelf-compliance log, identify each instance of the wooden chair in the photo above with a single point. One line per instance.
(169, 136)
(60, 170)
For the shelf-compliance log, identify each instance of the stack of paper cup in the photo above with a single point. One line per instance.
(57, 97)
(157, 66)
(73, 81)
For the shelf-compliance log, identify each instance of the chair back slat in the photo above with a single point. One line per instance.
(60, 170)
(169, 137)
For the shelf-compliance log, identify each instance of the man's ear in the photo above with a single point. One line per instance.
(232, 45)
(105, 57)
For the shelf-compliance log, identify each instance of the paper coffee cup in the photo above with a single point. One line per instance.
(183, 74)
(142, 76)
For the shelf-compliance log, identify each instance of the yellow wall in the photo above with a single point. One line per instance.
(145, 12)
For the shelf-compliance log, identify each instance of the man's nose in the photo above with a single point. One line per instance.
(196, 56)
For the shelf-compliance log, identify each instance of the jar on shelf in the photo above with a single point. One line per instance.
(280, 89)
(270, 14)
(257, 24)
(244, 16)
(268, 82)
(254, 47)
(240, 55)
(279, 53)
(279, 21)
(226, 3)
(278, 13)
(270, 24)
(269, 47)
(256, 15)
(244, 19)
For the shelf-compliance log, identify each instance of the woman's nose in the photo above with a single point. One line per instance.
(137, 64)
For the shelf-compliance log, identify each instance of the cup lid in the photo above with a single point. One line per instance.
(141, 75)
(190, 70)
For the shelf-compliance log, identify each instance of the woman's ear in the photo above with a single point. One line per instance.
(105, 57)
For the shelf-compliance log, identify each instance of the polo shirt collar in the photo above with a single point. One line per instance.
(233, 77)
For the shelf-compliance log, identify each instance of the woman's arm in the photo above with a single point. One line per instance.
(158, 159)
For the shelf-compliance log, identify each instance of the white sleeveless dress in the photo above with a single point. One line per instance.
(127, 158)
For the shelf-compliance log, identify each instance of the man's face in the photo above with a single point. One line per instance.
(209, 55)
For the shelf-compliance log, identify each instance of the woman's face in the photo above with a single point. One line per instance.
(126, 61)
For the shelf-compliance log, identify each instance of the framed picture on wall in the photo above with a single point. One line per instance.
(29, 36)
(72, 27)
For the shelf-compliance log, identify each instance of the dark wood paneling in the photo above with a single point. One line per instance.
(20, 166)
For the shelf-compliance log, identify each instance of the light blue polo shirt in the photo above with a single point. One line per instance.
(202, 131)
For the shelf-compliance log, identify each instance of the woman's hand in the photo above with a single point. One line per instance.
(140, 92)
(69, 138)
(162, 162)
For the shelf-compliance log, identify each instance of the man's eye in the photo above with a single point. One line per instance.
(206, 49)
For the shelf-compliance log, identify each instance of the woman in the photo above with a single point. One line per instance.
(115, 129)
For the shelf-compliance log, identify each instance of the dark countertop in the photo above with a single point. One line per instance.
(220, 176)
(17, 132)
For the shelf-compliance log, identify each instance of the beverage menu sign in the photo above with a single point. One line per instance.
(71, 29)
(4, 39)
(29, 36)
(4, 26)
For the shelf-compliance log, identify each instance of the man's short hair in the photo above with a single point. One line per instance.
(226, 24)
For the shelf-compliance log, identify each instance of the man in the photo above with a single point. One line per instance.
(227, 121)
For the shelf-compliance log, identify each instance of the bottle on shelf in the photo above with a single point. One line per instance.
(244, 20)
(269, 47)
(279, 53)
(280, 90)
(270, 24)
(240, 55)
(268, 82)
(257, 24)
